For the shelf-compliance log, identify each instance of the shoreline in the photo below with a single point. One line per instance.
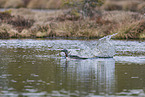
(69, 38)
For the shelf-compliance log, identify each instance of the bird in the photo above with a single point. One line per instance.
(77, 57)
(71, 56)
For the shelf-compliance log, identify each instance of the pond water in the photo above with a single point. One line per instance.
(37, 68)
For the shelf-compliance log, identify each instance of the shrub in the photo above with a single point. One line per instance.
(84, 7)
(70, 15)
(21, 23)
(3, 33)
(7, 31)
(18, 22)
(5, 16)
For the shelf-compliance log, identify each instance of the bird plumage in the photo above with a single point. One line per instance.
(77, 57)
(71, 56)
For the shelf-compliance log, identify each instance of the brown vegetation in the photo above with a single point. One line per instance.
(18, 22)
(11, 26)
(35, 4)
(129, 25)
(78, 28)
(126, 5)
(128, 20)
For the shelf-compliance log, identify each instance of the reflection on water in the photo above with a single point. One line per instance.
(96, 75)
(37, 68)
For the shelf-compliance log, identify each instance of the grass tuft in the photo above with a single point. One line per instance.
(81, 28)
(7, 31)
(132, 30)
(44, 30)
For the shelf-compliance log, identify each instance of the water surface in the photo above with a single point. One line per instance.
(38, 68)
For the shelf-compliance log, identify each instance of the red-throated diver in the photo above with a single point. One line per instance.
(71, 56)
(77, 57)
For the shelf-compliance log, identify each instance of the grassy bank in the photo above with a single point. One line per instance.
(21, 23)
(123, 16)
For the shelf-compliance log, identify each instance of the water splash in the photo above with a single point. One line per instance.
(105, 47)
(108, 37)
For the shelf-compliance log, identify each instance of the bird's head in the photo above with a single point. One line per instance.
(65, 51)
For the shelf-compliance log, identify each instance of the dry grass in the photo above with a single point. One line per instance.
(35, 4)
(14, 4)
(11, 26)
(132, 30)
(52, 4)
(127, 24)
(126, 5)
(21, 23)
(81, 28)
(18, 22)
(43, 30)
(2, 3)
(7, 31)
(141, 7)
(44, 4)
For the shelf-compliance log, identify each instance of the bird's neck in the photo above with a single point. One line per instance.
(66, 54)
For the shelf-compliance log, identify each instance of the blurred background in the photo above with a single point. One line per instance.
(128, 5)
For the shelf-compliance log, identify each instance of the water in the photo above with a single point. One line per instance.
(37, 68)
